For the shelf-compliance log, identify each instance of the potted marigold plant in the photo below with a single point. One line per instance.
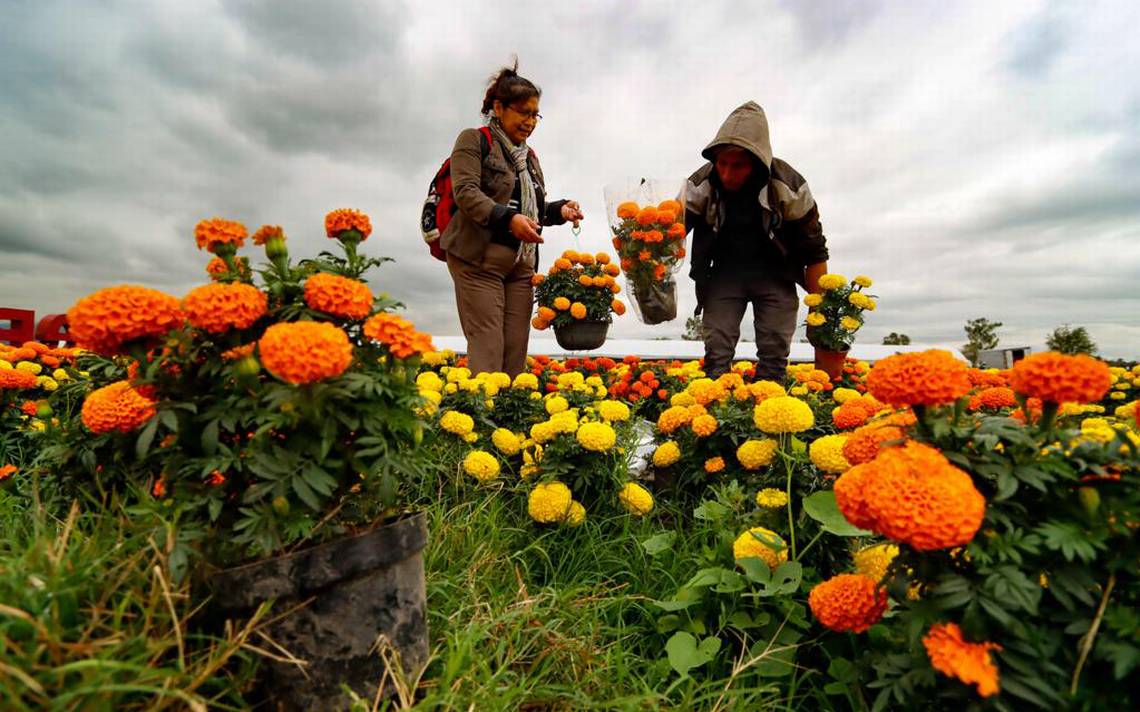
(273, 423)
(648, 222)
(576, 297)
(834, 317)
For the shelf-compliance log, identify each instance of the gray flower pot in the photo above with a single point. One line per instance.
(582, 335)
(336, 602)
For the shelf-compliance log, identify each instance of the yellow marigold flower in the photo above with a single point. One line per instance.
(682, 399)
(704, 425)
(754, 454)
(763, 390)
(842, 395)
(505, 441)
(31, 367)
(613, 411)
(481, 465)
(783, 414)
(457, 423)
(433, 397)
(813, 300)
(429, 381)
(666, 454)
(549, 503)
(570, 379)
(60, 374)
(5, 365)
(714, 465)
(760, 543)
(863, 281)
(471, 437)
(576, 515)
(771, 498)
(850, 323)
(1117, 395)
(47, 383)
(525, 381)
(636, 499)
(832, 281)
(705, 391)
(816, 319)
(872, 561)
(566, 421)
(596, 437)
(556, 404)
(827, 454)
(798, 391)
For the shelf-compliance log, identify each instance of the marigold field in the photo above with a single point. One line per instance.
(604, 533)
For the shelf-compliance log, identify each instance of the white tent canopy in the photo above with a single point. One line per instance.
(688, 350)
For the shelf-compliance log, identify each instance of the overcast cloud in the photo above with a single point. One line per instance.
(976, 159)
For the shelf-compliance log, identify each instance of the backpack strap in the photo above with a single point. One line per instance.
(488, 141)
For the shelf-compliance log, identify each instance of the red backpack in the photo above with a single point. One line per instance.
(439, 206)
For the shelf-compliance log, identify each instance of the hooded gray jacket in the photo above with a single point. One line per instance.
(790, 216)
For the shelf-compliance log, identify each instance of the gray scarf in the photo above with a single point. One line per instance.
(528, 204)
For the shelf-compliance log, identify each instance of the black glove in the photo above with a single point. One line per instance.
(702, 295)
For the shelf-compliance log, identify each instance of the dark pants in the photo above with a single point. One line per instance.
(774, 307)
(494, 300)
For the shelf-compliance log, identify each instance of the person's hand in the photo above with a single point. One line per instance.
(525, 229)
(572, 212)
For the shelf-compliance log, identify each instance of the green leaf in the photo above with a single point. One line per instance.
(306, 494)
(822, 508)
(684, 653)
(799, 447)
(210, 437)
(146, 437)
(659, 543)
(756, 570)
(710, 511)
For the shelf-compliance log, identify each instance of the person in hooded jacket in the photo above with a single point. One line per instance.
(756, 235)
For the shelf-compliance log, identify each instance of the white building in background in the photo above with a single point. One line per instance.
(689, 350)
(1002, 358)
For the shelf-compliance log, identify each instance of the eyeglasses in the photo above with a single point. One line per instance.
(526, 114)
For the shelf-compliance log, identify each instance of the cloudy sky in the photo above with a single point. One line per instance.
(977, 159)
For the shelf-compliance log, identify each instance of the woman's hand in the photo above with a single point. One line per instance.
(572, 212)
(525, 229)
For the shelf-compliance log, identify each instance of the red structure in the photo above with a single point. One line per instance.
(51, 330)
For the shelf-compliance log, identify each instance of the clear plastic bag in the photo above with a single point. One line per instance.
(647, 218)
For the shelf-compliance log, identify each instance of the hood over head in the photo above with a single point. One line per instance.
(746, 127)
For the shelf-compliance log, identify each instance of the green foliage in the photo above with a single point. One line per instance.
(981, 334)
(1069, 340)
(896, 339)
(840, 312)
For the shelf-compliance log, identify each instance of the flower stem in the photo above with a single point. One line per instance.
(784, 441)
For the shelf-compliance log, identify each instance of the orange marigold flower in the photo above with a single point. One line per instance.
(1056, 377)
(613, 270)
(626, 263)
(539, 323)
(714, 465)
(7, 471)
(578, 310)
(666, 217)
(536, 280)
(14, 379)
(586, 280)
(562, 263)
(628, 210)
(305, 351)
(951, 655)
(546, 313)
(863, 444)
(602, 258)
(676, 231)
(923, 378)
(218, 308)
(848, 603)
(979, 377)
(912, 494)
(267, 232)
(238, 352)
(339, 296)
(654, 236)
(659, 272)
(345, 219)
(993, 398)
(102, 322)
(216, 268)
(855, 412)
(618, 306)
(29, 407)
(119, 407)
(216, 232)
(561, 303)
(398, 334)
(647, 216)
(703, 425)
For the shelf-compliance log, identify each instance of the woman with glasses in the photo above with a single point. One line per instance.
(492, 241)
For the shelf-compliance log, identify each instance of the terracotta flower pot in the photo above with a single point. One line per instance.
(582, 335)
(333, 604)
(830, 362)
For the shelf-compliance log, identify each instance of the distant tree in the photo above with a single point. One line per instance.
(981, 334)
(694, 329)
(893, 339)
(1068, 340)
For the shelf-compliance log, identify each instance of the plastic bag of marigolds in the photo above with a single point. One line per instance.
(272, 418)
